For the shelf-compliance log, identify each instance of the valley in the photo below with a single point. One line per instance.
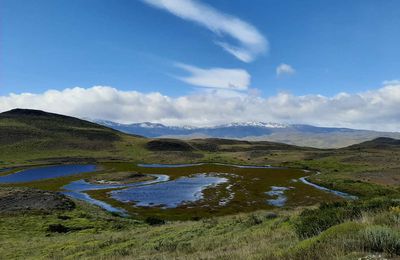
(168, 198)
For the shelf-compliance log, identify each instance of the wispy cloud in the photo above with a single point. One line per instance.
(285, 69)
(375, 109)
(250, 42)
(391, 82)
(233, 79)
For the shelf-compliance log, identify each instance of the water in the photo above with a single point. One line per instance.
(46, 172)
(169, 194)
(76, 190)
(159, 165)
(82, 185)
(157, 192)
(279, 194)
(337, 193)
(85, 197)
(243, 187)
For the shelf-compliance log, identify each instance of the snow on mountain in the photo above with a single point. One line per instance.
(297, 134)
(255, 124)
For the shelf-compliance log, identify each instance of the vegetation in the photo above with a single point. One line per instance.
(367, 227)
(87, 232)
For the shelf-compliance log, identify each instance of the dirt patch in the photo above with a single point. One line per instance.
(25, 199)
(389, 177)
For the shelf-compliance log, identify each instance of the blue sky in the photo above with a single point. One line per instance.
(172, 48)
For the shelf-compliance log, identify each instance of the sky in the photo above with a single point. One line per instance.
(203, 62)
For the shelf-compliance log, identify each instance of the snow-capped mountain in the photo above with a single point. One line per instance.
(303, 135)
(255, 124)
(232, 130)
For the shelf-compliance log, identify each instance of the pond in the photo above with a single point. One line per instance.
(47, 172)
(78, 189)
(169, 194)
(187, 191)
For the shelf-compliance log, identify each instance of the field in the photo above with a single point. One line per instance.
(369, 226)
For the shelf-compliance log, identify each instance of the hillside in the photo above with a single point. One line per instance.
(21, 125)
(295, 134)
(345, 230)
(26, 133)
(378, 143)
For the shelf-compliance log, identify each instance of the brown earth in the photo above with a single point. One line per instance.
(26, 199)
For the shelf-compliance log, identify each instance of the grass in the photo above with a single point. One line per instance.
(94, 234)
(350, 230)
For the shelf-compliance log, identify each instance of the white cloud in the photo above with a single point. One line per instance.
(283, 69)
(251, 42)
(234, 79)
(391, 82)
(376, 109)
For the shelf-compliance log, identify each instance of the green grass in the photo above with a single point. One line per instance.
(364, 227)
(94, 234)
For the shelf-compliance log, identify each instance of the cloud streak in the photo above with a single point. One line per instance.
(284, 69)
(377, 109)
(250, 42)
(233, 79)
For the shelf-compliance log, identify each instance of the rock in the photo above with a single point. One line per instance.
(26, 199)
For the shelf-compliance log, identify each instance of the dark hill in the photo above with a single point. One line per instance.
(168, 145)
(48, 130)
(377, 143)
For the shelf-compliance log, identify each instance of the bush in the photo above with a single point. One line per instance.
(381, 239)
(253, 220)
(271, 215)
(154, 221)
(63, 217)
(312, 222)
(335, 241)
(57, 228)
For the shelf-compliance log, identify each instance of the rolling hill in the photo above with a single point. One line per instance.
(21, 125)
(29, 138)
(30, 134)
(300, 135)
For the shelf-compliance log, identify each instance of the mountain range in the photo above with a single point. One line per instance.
(294, 134)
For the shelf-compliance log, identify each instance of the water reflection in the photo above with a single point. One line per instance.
(169, 194)
(47, 172)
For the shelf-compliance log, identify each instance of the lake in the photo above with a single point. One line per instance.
(47, 172)
(187, 191)
(169, 194)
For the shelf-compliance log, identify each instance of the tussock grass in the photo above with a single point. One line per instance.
(94, 234)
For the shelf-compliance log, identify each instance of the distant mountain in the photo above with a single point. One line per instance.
(295, 134)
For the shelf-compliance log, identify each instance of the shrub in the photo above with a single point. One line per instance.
(253, 220)
(381, 239)
(63, 217)
(271, 215)
(154, 221)
(312, 222)
(335, 241)
(57, 228)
